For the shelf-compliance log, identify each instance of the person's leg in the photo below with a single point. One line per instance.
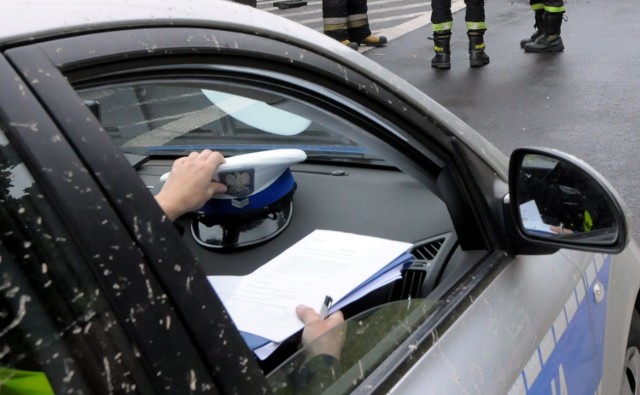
(334, 19)
(442, 23)
(358, 24)
(538, 9)
(476, 26)
(550, 40)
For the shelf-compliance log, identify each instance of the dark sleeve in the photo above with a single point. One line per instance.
(314, 376)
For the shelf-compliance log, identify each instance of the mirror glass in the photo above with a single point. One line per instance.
(559, 200)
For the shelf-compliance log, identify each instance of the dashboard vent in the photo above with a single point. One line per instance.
(424, 253)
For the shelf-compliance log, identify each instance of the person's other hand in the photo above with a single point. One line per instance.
(561, 230)
(189, 185)
(315, 328)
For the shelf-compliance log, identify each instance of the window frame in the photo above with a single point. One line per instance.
(85, 209)
(79, 70)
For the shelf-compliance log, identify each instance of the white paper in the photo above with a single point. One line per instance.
(531, 218)
(323, 263)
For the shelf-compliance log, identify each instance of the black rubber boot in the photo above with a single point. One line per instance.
(477, 57)
(539, 26)
(550, 40)
(441, 42)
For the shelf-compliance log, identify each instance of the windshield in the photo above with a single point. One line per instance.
(169, 119)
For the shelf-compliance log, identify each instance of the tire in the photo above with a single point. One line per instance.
(631, 373)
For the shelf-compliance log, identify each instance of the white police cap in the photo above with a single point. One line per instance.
(258, 203)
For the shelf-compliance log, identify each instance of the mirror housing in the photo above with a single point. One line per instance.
(558, 200)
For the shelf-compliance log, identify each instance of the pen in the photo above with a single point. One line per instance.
(326, 305)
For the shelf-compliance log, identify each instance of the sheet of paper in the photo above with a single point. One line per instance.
(531, 218)
(323, 263)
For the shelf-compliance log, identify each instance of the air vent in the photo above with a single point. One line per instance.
(424, 254)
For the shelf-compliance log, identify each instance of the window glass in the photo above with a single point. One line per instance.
(369, 339)
(160, 118)
(56, 328)
(166, 120)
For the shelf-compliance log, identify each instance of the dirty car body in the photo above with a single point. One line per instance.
(101, 293)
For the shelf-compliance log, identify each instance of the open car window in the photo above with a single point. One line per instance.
(352, 181)
(369, 339)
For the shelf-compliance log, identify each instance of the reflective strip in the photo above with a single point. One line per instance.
(599, 259)
(547, 345)
(438, 27)
(532, 369)
(553, 365)
(571, 306)
(554, 10)
(24, 382)
(476, 25)
(334, 21)
(518, 387)
(359, 23)
(357, 20)
(356, 17)
(587, 224)
(334, 27)
(537, 7)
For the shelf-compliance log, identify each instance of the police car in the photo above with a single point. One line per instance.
(523, 277)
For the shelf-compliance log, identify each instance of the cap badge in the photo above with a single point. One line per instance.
(239, 182)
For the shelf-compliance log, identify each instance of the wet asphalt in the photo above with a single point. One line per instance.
(584, 101)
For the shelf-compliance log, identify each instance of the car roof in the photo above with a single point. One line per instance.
(33, 19)
(27, 21)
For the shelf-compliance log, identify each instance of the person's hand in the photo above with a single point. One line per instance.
(315, 328)
(561, 230)
(189, 185)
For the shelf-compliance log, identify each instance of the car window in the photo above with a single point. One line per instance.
(369, 337)
(56, 328)
(161, 118)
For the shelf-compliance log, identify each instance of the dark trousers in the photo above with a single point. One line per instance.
(346, 19)
(442, 19)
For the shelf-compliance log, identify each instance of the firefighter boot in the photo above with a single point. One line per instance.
(539, 29)
(477, 57)
(550, 40)
(441, 41)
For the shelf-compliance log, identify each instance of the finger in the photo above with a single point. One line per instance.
(307, 314)
(335, 319)
(178, 162)
(192, 156)
(216, 157)
(217, 187)
(205, 154)
(337, 316)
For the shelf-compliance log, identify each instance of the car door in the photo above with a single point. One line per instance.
(81, 304)
(126, 65)
(489, 322)
(569, 359)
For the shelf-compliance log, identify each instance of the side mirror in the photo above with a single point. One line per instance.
(558, 200)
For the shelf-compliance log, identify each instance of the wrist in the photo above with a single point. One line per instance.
(170, 209)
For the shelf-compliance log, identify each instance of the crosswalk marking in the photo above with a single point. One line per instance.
(391, 18)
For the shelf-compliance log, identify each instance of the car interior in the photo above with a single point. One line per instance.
(349, 182)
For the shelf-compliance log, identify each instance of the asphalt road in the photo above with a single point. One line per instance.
(583, 101)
